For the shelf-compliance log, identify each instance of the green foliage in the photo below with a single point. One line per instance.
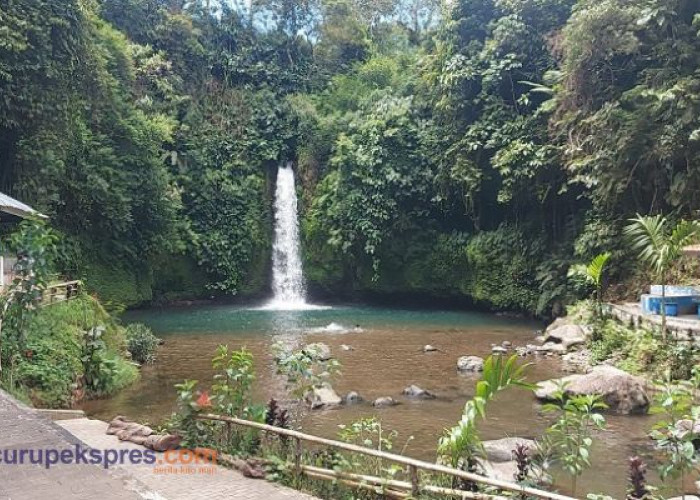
(461, 445)
(567, 443)
(304, 369)
(676, 433)
(141, 343)
(230, 395)
(52, 368)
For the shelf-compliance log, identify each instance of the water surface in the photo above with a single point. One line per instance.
(387, 356)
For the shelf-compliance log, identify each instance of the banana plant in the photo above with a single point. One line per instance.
(593, 274)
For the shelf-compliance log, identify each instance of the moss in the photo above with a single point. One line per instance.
(177, 277)
(118, 285)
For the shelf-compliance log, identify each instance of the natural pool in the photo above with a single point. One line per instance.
(386, 357)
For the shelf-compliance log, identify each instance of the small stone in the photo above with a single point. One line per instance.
(352, 398)
(470, 364)
(383, 402)
(429, 348)
(323, 396)
(506, 343)
(413, 391)
(346, 347)
(498, 350)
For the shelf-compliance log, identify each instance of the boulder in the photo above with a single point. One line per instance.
(383, 402)
(623, 393)
(429, 348)
(319, 351)
(413, 391)
(577, 361)
(352, 398)
(470, 364)
(503, 471)
(323, 396)
(566, 335)
(501, 450)
(499, 350)
(507, 344)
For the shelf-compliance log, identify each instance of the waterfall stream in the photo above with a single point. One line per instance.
(288, 287)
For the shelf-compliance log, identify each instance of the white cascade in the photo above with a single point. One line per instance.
(288, 290)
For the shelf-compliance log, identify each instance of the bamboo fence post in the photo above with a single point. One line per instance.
(297, 455)
(415, 486)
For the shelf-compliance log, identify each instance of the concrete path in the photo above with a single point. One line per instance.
(23, 428)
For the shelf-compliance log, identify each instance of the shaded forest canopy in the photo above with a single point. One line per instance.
(465, 149)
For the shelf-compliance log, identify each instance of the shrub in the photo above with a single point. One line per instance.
(141, 342)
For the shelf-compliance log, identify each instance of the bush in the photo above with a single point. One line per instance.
(141, 342)
(54, 365)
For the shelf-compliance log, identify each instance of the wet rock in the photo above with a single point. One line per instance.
(551, 348)
(429, 348)
(499, 350)
(319, 351)
(323, 397)
(566, 335)
(346, 347)
(383, 402)
(352, 398)
(501, 450)
(685, 497)
(507, 344)
(577, 361)
(413, 391)
(470, 364)
(621, 392)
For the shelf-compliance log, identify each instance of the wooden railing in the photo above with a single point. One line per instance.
(60, 292)
(401, 489)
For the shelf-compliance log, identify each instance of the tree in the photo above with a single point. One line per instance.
(34, 245)
(658, 246)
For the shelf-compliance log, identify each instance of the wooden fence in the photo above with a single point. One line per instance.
(60, 292)
(388, 487)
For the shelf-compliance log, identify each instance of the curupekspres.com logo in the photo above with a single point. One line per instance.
(108, 457)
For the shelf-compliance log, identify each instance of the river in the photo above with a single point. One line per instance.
(387, 356)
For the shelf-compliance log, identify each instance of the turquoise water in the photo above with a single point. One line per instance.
(235, 320)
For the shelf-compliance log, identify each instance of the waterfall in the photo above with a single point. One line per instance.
(287, 276)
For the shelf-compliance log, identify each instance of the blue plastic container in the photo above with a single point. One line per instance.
(671, 309)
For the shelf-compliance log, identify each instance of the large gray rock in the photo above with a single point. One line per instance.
(319, 351)
(503, 471)
(566, 335)
(470, 364)
(384, 402)
(501, 450)
(323, 397)
(621, 392)
(413, 391)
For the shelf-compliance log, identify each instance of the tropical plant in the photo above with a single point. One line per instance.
(659, 246)
(34, 244)
(567, 443)
(676, 434)
(461, 445)
(305, 369)
(593, 274)
(141, 343)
